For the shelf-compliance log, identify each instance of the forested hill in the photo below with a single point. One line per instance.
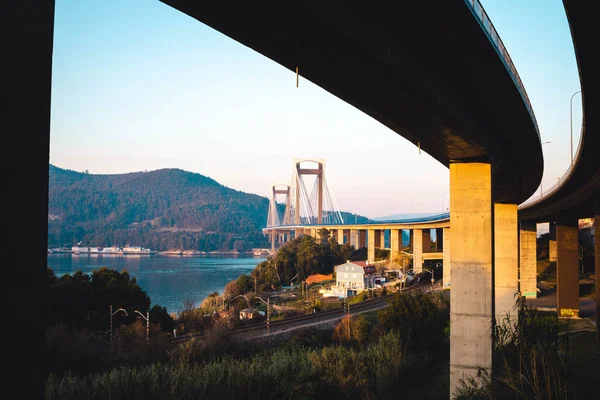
(165, 209)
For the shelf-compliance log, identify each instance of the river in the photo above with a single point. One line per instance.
(168, 280)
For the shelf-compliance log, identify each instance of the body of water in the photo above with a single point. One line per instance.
(168, 280)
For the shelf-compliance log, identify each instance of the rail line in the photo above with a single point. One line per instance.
(310, 317)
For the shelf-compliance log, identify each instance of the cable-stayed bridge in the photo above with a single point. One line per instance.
(295, 210)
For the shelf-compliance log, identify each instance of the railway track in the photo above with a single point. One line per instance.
(314, 317)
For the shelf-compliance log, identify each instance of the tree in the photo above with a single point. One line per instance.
(160, 315)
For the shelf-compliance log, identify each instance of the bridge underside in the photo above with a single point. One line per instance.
(576, 195)
(429, 73)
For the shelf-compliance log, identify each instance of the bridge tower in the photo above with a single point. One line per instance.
(317, 206)
(274, 218)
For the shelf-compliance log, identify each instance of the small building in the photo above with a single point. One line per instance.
(353, 277)
(248, 313)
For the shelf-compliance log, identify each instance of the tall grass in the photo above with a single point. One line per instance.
(529, 359)
(291, 373)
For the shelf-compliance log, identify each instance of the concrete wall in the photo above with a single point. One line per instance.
(528, 259)
(340, 236)
(506, 260)
(471, 275)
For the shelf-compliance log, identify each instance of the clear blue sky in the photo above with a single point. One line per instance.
(137, 85)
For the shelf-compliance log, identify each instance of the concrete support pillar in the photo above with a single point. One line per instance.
(417, 250)
(471, 300)
(298, 232)
(567, 265)
(340, 236)
(362, 238)
(426, 241)
(506, 260)
(313, 232)
(395, 243)
(272, 241)
(447, 265)
(552, 242)
(354, 238)
(382, 239)
(371, 246)
(528, 259)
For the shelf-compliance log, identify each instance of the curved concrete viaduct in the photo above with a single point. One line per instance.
(430, 72)
(577, 194)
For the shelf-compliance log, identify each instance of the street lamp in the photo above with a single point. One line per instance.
(571, 123)
(147, 318)
(411, 204)
(111, 319)
(447, 191)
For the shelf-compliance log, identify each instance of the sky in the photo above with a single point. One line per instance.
(138, 85)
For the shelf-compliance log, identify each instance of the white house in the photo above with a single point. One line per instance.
(353, 277)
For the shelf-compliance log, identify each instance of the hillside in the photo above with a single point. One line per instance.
(162, 210)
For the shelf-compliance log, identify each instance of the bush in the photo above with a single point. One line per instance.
(417, 317)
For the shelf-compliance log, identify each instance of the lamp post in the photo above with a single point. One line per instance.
(147, 318)
(111, 319)
(411, 204)
(447, 191)
(571, 123)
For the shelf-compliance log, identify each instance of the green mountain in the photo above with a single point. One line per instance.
(165, 209)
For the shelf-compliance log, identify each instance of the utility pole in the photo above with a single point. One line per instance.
(348, 308)
(268, 314)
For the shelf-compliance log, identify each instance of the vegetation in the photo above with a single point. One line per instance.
(533, 359)
(312, 367)
(78, 335)
(295, 261)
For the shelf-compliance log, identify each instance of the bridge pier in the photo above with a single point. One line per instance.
(471, 221)
(417, 250)
(340, 236)
(371, 246)
(395, 243)
(506, 261)
(446, 261)
(567, 265)
(552, 241)
(528, 259)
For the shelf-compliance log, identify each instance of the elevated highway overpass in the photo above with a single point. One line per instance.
(577, 194)
(438, 75)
